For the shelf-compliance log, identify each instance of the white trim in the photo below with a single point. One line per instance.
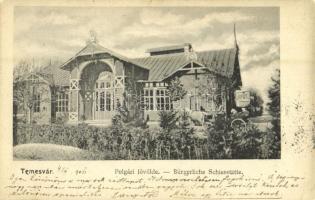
(191, 68)
(188, 62)
(84, 64)
(38, 76)
(155, 97)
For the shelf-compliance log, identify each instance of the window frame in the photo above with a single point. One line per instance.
(163, 101)
(148, 99)
(155, 98)
(36, 103)
(62, 101)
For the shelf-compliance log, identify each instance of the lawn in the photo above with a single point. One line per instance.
(36, 151)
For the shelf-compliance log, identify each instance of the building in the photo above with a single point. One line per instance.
(92, 84)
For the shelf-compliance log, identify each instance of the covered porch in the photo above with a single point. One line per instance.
(96, 93)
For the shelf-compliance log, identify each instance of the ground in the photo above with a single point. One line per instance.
(34, 151)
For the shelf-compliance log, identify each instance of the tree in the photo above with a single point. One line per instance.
(274, 135)
(123, 110)
(168, 120)
(176, 89)
(255, 107)
(26, 87)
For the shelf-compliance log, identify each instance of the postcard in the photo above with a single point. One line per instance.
(157, 100)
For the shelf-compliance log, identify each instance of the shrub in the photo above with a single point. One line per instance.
(117, 141)
(168, 120)
(121, 141)
(226, 142)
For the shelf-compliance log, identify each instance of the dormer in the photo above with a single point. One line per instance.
(183, 48)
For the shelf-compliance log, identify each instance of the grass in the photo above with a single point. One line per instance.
(36, 151)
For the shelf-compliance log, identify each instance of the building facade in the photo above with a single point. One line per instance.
(94, 83)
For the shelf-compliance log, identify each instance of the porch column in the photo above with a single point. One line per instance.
(119, 87)
(223, 98)
(119, 83)
(74, 100)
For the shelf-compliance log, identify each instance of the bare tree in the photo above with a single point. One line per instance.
(27, 86)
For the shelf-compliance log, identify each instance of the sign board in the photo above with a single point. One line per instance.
(242, 98)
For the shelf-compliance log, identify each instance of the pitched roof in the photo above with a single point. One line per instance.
(219, 61)
(55, 76)
(93, 48)
(162, 66)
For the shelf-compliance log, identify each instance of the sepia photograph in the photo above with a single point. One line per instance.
(146, 83)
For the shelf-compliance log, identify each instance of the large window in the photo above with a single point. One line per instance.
(108, 101)
(103, 101)
(104, 92)
(36, 101)
(156, 98)
(62, 101)
(162, 100)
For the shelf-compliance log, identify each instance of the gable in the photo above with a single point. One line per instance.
(93, 49)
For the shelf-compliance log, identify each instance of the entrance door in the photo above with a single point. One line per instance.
(103, 95)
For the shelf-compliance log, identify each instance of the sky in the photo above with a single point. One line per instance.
(44, 33)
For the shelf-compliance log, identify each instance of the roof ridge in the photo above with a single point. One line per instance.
(159, 56)
(215, 50)
(180, 53)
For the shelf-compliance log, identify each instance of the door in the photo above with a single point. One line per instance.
(103, 97)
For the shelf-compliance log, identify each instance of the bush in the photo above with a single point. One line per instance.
(118, 141)
(122, 141)
(168, 120)
(224, 142)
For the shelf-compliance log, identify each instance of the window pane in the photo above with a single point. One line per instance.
(108, 101)
(146, 104)
(151, 103)
(167, 103)
(67, 105)
(158, 102)
(107, 84)
(102, 101)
